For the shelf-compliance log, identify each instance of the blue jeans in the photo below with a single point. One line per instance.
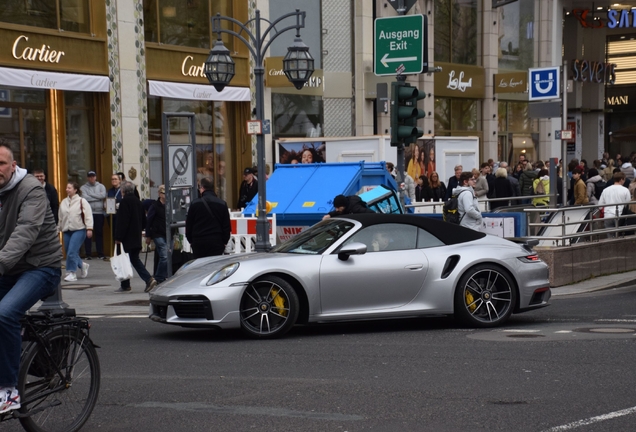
(161, 249)
(137, 265)
(18, 293)
(98, 236)
(72, 243)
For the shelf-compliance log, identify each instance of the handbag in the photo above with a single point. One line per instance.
(120, 263)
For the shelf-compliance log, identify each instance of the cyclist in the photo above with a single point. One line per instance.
(30, 263)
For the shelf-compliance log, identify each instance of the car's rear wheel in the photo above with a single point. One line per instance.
(485, 296)
(269, 308)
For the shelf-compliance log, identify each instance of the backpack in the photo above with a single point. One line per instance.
(540, 189)
(450, 210)
(598, 188)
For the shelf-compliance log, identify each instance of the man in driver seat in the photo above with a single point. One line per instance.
(344, 205)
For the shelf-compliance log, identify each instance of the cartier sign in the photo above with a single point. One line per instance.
(190, 69)
(22, 51)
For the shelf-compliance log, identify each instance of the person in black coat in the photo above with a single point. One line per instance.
(51, 192)
(208, 222)
(156, 231)
(131, 219)
(248, 189)
(344, 205)
(502, 189)
(453, 182)
(438, 188)
(423, 191)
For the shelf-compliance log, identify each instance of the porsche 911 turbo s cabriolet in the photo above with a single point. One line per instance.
(358, 267)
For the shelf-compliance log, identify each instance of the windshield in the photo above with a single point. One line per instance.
(316, 239)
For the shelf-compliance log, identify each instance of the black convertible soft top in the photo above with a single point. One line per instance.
(448, 233)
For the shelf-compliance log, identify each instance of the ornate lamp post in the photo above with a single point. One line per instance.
(298, 66)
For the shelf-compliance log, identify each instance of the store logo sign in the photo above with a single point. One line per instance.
(625, 18)
(44, 54)
(544, 83)
(191, 70)
(594, 72)
(458, 83)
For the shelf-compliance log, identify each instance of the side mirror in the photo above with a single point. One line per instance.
(355, 248)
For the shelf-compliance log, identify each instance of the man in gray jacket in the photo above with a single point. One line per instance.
(467, 204)
(30, 263)
(95, 193)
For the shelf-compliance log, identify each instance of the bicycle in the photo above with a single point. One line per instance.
(59, 374)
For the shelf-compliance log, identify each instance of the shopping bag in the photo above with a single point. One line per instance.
(121, 265)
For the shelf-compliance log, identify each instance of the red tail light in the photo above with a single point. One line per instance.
(530, 258)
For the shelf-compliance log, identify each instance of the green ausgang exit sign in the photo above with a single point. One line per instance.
(400, 41)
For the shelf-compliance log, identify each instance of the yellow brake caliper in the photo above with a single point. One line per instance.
(279, 302)
(470, 301)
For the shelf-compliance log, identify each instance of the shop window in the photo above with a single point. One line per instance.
(456, 114)
(456, 33)
(185, 22)
(518, 133)
(516, 35)
(67, 15)
(297, 116)
(80, 135)
(23, 125)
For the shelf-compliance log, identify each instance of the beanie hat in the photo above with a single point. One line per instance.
(592, 172)
(340, 201)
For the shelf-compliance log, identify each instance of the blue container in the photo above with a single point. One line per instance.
(301, 194)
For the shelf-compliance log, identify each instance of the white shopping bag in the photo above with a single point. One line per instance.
(121, 265)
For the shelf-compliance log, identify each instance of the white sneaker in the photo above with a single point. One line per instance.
(9, 399)
(84, 271)
(70, 277)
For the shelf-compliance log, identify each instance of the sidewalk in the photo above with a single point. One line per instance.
(95, 296)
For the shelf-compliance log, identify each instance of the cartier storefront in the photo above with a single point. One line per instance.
(54, 100)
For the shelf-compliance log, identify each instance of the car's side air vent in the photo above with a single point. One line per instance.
(451, 262)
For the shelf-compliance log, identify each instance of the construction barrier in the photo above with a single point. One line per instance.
(243, 238)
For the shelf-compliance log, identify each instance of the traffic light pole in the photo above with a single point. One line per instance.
(400, 148)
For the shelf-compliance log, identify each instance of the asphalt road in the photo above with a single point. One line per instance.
(569, 367)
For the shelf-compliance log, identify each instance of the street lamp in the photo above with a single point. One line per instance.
(298, 65)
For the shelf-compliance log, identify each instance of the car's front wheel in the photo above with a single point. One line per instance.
(485, 296)
(269, 308)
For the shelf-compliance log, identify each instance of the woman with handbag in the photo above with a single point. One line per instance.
(76, 224)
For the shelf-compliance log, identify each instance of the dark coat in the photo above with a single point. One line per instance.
(131, 219)
(526, 181)
(246, 193)
(354, 205)
(156, 226)
(51, 194)
(203, 227)
(502, 189)
(439, 193)
(423, 193)
(453, 182)
(491, 185)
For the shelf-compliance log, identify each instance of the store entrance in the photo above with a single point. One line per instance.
(23, 126)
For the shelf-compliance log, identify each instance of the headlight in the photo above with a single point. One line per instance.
(221, 275)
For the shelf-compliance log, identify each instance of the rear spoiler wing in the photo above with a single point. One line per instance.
(527, 244)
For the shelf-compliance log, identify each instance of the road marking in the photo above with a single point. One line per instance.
(616, 320)
(564, 331)
(593, 420)
(521, 331)
(114, 316)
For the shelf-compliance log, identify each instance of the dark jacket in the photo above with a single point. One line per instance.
(51, 194)
(28, 234)
(203, 227)
(156, 224)
(502, 188)
(131, 219)
(246, 193)
(453, 182)
(490, 178)
(423, 193)
(526, 180)
(354, 205)
(439, 193)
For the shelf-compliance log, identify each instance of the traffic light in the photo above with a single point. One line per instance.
(404, 113)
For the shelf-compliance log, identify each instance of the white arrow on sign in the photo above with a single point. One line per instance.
(385, 59)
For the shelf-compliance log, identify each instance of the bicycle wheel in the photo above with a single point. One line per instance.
(59, 402)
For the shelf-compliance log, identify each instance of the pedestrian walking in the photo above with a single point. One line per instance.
(95, 193)
(51, 192)
(156, 231)
(208, 222)
(130, 221)
(76, 224)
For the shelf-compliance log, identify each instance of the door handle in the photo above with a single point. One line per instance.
(414, 266)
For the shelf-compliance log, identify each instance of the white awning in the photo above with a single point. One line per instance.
(185, 91)
(53, 80)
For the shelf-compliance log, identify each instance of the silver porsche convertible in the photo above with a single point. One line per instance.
(358, 267)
